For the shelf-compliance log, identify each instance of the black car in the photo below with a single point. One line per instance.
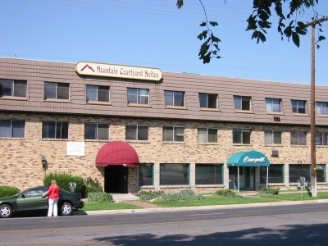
(32, 200)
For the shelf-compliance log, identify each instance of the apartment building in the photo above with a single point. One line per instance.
(137, 128)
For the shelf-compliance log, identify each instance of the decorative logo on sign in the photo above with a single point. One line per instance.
(254, 160)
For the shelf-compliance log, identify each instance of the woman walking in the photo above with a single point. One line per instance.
(53, 194)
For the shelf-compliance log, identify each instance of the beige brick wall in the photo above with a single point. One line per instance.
(21, 158)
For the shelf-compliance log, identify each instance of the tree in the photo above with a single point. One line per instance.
(258, 22)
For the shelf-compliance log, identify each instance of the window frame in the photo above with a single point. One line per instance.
(169, 180)
(270, 105)
(96, 128)
(297, 109)
(324, 138)
(320, 108)
(149, 177)
(279, 174)
(202, 179)
(208, 101)
(168, 99)
(15, 130)
(207, 134)
(100, 92)
(48, 90)
(242, 100)
(299, 141)
(140, 97)
(137, 133)
(13, 91)
(272, 137)
(62, 135)
(241, 136)
(175, 135)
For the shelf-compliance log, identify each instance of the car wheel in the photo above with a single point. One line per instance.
(66, 209)
(5, 211)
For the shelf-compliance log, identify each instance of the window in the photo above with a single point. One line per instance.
(241, 136)
(96, 131)
(56, 130)
(321, 138)
(12, 128)
(97, 93)
(272, 137)
(242, 103)
(209, 174)
(298, 106)
(135, 132)
(13, 88)
(208, 100)
(174, 98)
(321, 174)
(56, 90)
(299, 170)
(275, 174)
(174, 174)
(173, 134)
(273, 105)
(146, 174)
(207, 135)
(298, 138)
(139, 96)
(322, 108)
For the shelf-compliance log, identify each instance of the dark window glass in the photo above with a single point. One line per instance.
(16, 88)
(135, 132)
(12, 128)
(299, 170)
(298, 138)
(298, 106)
(96, 131)
(209, 174)
(242, 103)
(56, 90)
(57, 130)
(174, 174)
(103, 93)
(321, 174)
(241, 136)
(275, 174)
(146, 173)
(174, 98)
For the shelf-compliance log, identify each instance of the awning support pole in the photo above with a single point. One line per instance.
(267, 177)
(238, 179)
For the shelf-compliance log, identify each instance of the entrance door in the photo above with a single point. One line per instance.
(246, 178)
(116, 179)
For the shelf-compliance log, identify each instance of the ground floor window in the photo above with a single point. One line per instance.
(174, 174)
(275, 174)
(321, 174)
(146, 174)
(299, 170)
(209, 174)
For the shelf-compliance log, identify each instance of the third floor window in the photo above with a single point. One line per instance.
(208, 100)
(54, 90)
(273, 105)
(299, 106)
(13, 88)
(242, 103)
(322, 107)
(174, 98)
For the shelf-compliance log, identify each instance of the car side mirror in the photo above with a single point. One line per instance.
(23, 195)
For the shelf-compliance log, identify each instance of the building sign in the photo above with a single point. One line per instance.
(254, 160)
(118, 71)
(76, 148)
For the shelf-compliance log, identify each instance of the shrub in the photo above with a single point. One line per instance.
(92, 185)
(149, 195)
(63, 180)
(183, 195)
(7, 191)
(227, 193)
(99, 197)
(264, 191)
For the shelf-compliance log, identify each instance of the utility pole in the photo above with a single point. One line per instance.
(313, 108)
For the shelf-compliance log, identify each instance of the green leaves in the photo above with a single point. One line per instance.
(210, 47)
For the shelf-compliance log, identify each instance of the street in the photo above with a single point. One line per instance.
(304, 224)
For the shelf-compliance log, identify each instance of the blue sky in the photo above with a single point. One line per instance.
(154, 33)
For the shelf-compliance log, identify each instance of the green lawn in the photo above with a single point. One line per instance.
(88, 206)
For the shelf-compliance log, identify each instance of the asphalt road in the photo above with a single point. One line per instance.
(304, 224)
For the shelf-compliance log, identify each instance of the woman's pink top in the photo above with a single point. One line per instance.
(53, 192)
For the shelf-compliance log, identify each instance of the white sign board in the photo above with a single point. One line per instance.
(76, 148)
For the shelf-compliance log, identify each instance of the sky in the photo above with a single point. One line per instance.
(154, 33)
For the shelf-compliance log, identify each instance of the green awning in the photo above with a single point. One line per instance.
(248, 159)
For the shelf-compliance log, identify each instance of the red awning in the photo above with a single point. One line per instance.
(117, 153)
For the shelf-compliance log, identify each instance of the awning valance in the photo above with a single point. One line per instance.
(248, 159)
(117, 153)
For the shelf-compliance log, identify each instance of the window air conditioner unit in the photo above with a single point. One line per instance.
(275, 153)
